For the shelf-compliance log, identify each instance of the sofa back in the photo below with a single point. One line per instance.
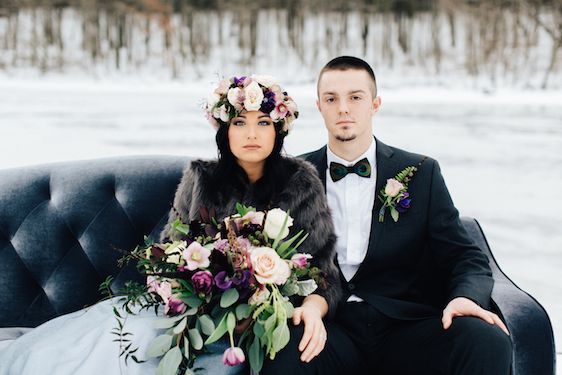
(61, 225)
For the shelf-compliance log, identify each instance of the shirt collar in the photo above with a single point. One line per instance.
(370, 154)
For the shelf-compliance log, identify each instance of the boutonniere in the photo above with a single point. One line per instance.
(395, 195)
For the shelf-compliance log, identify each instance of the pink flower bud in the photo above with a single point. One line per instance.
(300, 260)
(233, 356)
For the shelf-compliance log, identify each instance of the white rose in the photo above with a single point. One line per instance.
(264, 80)
(223, 114)
(223, 87)
(253, 97)
(274, 223)
(268, 266)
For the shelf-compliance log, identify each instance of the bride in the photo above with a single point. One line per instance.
(252, 115)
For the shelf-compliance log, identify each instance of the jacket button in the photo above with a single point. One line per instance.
(351, 286)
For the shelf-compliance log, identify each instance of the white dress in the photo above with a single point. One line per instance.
(82, 343)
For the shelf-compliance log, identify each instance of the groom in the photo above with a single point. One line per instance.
(418, 289)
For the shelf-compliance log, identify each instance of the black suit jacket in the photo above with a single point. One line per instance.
(415, 266)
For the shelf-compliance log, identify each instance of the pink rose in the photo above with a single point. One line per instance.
(196, 256)
(233, 356)
(393, 187)
(268, 267)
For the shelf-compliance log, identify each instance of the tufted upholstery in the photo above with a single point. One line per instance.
(61, 223)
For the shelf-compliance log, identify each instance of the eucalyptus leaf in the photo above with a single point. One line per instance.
(159, 346)
(290, 288)
(255, 352)
(181, 326)
(229, 297)
(394, 213)
(166, 323)
(306, 287)
(270, 322)
(243, 311)
(191, 300)
(191, 311)
(186, 347)
(258, 329)
(289, 309)
(195, 339)
(170, 363)
(207, 324)
(280, 337)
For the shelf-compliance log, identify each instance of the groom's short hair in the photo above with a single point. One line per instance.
(346, 63)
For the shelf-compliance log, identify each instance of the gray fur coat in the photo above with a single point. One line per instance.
(303, 194)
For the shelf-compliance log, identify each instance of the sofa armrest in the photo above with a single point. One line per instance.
(527, 321)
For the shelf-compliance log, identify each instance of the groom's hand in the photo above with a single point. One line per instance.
(462, 306)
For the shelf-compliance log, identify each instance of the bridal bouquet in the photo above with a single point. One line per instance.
(215, 278)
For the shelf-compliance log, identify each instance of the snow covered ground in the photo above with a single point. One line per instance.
(500, 152)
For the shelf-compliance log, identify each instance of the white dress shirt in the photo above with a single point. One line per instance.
(351, 201)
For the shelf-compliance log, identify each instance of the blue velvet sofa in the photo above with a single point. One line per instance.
(60, 226)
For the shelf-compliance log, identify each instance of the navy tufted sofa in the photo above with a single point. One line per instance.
(60, 226)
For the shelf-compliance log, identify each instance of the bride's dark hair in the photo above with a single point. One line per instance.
(229, 176)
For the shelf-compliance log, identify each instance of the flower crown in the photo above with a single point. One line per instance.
(257, 92)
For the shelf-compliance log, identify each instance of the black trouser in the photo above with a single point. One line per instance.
(361, 336)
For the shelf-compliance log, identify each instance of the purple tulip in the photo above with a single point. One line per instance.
(202, 282)
(233, 356)
(222, 281)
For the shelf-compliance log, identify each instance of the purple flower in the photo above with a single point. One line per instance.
(233, 356)
(403, 203)
(239, 81)
(174, 306)
(222, 281)
(241, 278)
(202, 282)
(221, 245)
(268, 102)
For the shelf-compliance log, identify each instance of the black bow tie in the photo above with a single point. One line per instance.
(338, 171)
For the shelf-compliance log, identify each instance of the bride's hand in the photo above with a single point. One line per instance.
(315, 335)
